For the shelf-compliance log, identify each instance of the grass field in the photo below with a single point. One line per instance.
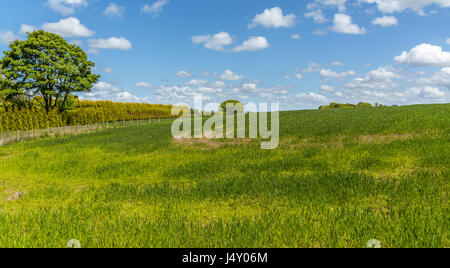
(338, 179)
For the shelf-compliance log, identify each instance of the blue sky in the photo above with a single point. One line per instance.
(300, 53)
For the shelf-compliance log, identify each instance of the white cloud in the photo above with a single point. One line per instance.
(219, 84)
(447, 41)
(340, 4)
(229, 75)
(70, 27)
(273, 18)
(385, 21)
(66, 7)
(197, 82)
(107, 70)
(337, 63)
(327, 88)
(312, 97)
(183, 74)
(110, 43)
(425, 55)
(343, 24)
(114, 11)
(432, 92)
(392, 6)
(107, 91)
(438, 79)
(317, 16)
(296, 36)
(299, 76)
(104, 86)
(215, 42)
(155, 8)
(379, 79)
(312, 67)
(25, 28)
(253, 44)
(6, 37)
(145, 85)
(327, 74)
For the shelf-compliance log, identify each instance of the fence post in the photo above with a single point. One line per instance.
(18, 135)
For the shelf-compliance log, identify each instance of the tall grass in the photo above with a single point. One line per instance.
(338, 179)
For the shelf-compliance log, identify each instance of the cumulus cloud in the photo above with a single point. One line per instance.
(110, 43)
(299, 76)
(66, 7)
(145, 85)
(393, 6)
(108, 91)
(312, 67)
(215, 42)
(70, 27)
(317, 16)
(273, 18)
(25, 28)
(424, 55)
(385, 21)
(312, 97)
(327, 88)
(379, 79)
(183, 74)
(6, 37)
(197, 82)
(155, 8)
(438, 79)
(114, 11)
(107, 70)
(340, 4)
(252, 44)
(327, 74)
(337, 63)
(296, 36)
(343, 24)
(229, 75)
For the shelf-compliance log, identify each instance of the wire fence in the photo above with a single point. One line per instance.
(24, 135)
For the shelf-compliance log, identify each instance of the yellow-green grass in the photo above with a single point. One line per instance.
(338, 179)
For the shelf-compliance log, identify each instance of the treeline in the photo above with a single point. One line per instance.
(335, 105)
(13, 118)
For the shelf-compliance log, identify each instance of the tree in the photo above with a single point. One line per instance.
(45, 65)
(234, 105)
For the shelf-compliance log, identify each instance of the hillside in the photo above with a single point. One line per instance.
(338, 179)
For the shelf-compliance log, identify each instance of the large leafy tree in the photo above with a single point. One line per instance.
(238, 107)
(46, 66)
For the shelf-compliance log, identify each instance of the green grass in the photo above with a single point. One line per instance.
(338, 179)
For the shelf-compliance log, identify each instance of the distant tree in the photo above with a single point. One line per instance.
(45, 65)
(237, 106)
(363, 104)
(335, 105)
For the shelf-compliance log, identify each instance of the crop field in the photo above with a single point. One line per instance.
(338, 179)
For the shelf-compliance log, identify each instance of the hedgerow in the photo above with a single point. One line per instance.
(86, 112)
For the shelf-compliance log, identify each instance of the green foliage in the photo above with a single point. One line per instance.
(77, 112)
(236, 106)
(45, 65)
(334, 105)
